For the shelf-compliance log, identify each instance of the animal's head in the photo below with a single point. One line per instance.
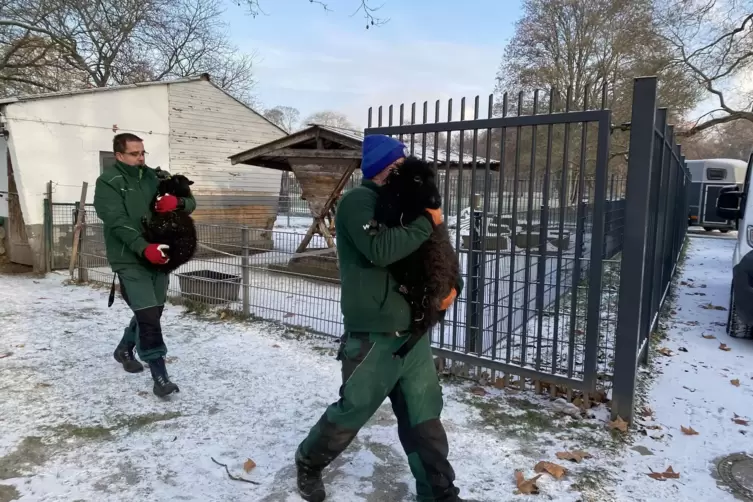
(415, 183)
(177, 185)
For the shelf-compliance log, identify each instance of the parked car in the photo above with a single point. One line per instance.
(734, 204)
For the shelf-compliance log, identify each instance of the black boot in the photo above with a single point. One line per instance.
(310, 485)
(162, 384)
(124, 355)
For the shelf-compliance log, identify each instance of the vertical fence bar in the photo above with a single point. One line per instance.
(475, 307)
(593, 315)
(48, 228)
(245, 272)
(628, 330)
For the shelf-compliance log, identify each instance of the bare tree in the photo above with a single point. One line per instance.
(285, 117)
(119, 42)
(329, 118)
(712, 42)
(364, 8)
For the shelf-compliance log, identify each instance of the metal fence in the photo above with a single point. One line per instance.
(539, 223)
(656, 213)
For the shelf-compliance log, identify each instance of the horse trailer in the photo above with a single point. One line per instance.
(708, 177)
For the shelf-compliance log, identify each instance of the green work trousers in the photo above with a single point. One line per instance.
(145, 292)
(370, 374)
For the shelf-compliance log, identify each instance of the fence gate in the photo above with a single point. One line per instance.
(527, 198)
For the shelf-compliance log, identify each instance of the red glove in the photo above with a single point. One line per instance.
(155, 254)
(166, 203)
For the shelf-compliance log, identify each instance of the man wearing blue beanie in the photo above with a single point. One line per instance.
(376, 318)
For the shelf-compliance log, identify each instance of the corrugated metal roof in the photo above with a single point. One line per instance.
(74, 92)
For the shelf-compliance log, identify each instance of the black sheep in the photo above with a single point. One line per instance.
(428, 275)
(174, 228)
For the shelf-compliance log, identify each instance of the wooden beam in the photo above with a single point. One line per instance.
(77, 231)
(306, 153)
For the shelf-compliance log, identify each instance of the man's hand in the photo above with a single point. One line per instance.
(166, 203)
(435, 215)
(448, 301)
(154, 253)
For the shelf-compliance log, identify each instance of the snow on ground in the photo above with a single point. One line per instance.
(693, 388)
(76, 427)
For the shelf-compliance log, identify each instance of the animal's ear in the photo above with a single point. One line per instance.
(190, 182)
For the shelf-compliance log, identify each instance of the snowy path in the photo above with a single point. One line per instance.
(75, 427)
(694, 389)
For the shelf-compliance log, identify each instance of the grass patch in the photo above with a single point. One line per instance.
(591, 482)
(102, 433)
(525, 423)
(31, 452)
(8, 493)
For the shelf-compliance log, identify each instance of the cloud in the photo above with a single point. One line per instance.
(326, 67)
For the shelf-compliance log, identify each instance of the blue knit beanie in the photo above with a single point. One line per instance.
(379, 151)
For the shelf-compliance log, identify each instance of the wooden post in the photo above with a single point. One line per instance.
(77, 228)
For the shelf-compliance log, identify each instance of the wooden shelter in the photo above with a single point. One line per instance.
(322, 158)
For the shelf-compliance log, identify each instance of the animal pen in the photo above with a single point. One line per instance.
(567, 257)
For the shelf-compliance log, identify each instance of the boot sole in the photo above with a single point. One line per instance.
(134, 369)
(164, 393)
(317, 496)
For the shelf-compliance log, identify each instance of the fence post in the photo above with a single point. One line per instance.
(631, 296)
(48, 228)
(474, 341)
(245, 272)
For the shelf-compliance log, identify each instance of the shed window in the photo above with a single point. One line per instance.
(715, 174)
(106, 159)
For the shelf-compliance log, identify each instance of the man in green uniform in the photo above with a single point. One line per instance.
(122, 197)
(376, 318)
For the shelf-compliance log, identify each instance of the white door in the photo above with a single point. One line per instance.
(3, 177)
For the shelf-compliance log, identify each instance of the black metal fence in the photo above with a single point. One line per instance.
(656, 213)
(539, 221)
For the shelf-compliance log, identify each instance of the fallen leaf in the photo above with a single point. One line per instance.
(740, 421)
(670, 474)
(575, 456)
(735, 382)
(555, 470)
(709, 337)
(142, 393)
(20, 346)
(275, 346)
(662, 476)
(646, 411)
(688, 431)
(526, 486)
(2, 356)
(43, 385)
(223, 314)
(618, 424)
(723, 346)
(665, 351)
(248, 465)
(499, 383)
(709, 306)
(479, 391)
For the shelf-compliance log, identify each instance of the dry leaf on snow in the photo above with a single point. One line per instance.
(709, 337)
(740, 421)
(526, 486)
(248, 465)
(688, 431)
(735, 382)
(710, 306)
(661, 476)
(479, 391)
(6, 355)
(576, 456)
(618, 424)
(555, 470)
(723, 346)
(646, 411)
(665, 351)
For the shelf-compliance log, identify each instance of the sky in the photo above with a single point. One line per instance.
(430, 49)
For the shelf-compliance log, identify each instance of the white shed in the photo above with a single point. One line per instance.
(189, 126)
